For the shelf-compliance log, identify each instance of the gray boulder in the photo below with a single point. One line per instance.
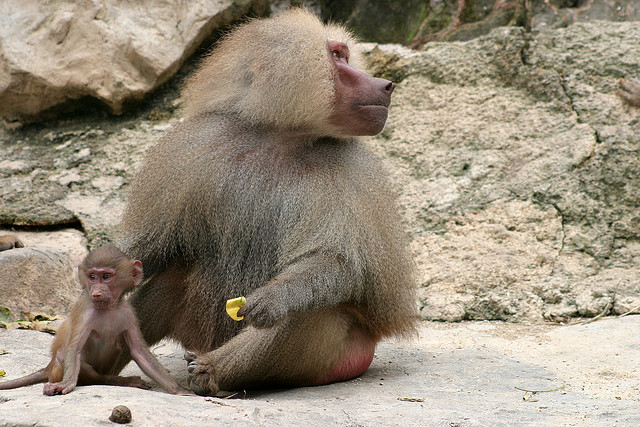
(36, 280)
(59, 53)
(517, 163)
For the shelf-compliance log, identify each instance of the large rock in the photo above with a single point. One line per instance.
(518, 165)
(37, 279)
(113, 51)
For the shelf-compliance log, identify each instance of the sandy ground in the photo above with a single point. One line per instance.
(459, 374)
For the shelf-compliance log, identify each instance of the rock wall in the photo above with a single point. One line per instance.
(515, 159)
(519, 171)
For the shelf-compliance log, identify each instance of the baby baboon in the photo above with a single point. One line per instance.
(101, 323)
(264, 191)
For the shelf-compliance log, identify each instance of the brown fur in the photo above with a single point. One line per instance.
(256, 194)
(254, 86)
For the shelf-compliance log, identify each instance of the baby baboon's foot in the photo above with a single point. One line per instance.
(133, 381)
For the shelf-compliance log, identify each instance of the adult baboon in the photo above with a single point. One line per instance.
(264, 191)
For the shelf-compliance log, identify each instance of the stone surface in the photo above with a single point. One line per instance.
(560, 13)
(415, 22)
(517, 163)
(67, 241)
(75, 176)
(112, 51)
(466, 374)
(35, 280)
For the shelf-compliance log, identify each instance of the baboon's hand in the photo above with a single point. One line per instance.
(265, 307)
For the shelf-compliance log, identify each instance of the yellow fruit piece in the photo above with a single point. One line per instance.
(233, 305)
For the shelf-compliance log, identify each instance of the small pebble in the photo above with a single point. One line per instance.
(121, 415)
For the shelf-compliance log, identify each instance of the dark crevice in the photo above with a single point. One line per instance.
(526, 47)
(544, 200)
(74, 224)
(572, 106)
(562, 226)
